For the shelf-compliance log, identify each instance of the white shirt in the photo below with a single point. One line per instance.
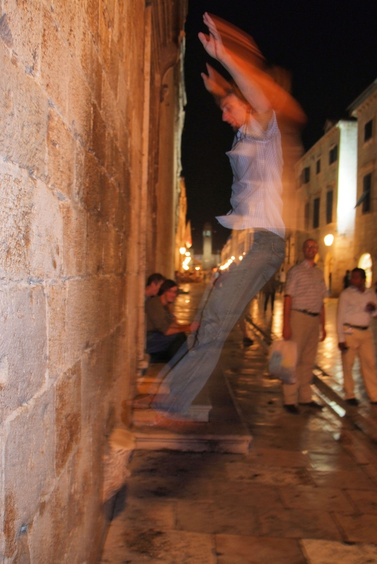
(351, 309)
(306, 286)
(257, 162)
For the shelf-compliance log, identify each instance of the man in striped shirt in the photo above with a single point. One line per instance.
(304, 323)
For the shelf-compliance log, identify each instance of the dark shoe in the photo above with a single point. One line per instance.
(313, 404)
(291, 408)
(352, 401)
(247, 342)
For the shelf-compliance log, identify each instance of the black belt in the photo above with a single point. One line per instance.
(312, 313)
(361, 327)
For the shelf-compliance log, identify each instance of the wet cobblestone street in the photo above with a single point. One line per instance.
(306, 492)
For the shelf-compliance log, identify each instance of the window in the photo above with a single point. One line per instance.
(316, 213)
(365, 195)
(368, 130)
(333, 154)
(329, 205)
(306, 216)
(318, 166)
(306, 174)
(367, 185)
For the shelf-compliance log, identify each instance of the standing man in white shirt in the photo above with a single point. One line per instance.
(357, 304)
(304, 323)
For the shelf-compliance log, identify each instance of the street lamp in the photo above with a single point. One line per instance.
(329, 239)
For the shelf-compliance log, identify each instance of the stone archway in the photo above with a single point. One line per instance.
(365, 262)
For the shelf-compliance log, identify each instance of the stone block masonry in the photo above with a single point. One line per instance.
(73, 188)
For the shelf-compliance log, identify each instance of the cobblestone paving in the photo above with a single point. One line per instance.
(306, 492)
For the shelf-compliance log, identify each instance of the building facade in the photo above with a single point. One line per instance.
(364, 108)
(326, 178)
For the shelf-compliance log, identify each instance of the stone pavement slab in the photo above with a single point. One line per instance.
(358, 528)
(316, 499)
(365, 501)
(299, 523)
(234, 549)
(225, 431)
(329, 552)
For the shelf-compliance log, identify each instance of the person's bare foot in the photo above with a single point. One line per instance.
(142, 401)
(161, 420)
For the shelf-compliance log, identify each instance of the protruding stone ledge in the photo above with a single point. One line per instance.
(119, 450)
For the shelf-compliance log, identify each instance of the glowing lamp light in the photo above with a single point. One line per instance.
(182, 250)
(329, 239)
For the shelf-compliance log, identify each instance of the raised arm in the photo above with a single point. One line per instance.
(239, 55)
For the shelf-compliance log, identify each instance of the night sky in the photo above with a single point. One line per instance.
(330, 47)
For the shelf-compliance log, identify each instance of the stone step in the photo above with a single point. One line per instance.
(209, 440)
(150, 385)
(217, 426)
(199, 412)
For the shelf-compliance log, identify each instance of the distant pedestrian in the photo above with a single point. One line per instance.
(269, 291)
(357, 305)
(304, 323)
(346, 279)
(282, 279)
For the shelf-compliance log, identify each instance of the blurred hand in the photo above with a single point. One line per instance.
(194, 326)
(287, 333)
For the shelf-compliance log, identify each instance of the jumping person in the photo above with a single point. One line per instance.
(248, 105)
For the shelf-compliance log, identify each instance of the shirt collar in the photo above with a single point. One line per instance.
(308, 264)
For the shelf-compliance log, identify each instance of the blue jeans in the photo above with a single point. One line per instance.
(225, 303)
(163, 347)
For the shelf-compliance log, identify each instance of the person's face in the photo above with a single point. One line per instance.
(171, 294)
(234, 111)
(357, 280)
(310, 249)
(155, 286)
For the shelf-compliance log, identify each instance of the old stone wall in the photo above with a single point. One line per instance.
(76, 149)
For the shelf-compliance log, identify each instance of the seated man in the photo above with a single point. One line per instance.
(153, 284)
(164, 334)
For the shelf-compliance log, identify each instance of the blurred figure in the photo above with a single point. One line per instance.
(346, 279)
(269, 291)
(249, 104)
(282, 279)
(164, 334)
(247, 341)
(153, 284)
(357, 305)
